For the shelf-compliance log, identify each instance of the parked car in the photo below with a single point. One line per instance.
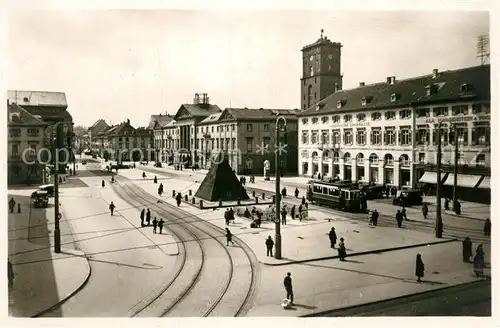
(44, 189)
(408, 198)
(41, 199)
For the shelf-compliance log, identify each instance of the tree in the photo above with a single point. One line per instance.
(79, 130)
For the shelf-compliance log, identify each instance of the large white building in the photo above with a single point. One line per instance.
(387, 132)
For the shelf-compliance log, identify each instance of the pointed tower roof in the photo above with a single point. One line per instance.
(221, 183)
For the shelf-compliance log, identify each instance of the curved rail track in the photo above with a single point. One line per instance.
(209, 278)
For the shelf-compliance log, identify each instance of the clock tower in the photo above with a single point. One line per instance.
(320, 71)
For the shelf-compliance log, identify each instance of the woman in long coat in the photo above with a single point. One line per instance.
(479, 261)
(419, 268)
(466, 249)
(341, 250)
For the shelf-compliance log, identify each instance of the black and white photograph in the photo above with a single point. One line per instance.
(207, 162)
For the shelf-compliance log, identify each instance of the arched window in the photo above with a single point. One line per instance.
(347, 157)
(404, 160)
(309, 96)
(326, 154)
(336, 157)
(373, 158)
(360, 158)
(315, 155)
(388, 159)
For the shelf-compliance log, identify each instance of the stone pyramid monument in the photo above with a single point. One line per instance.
(221, 183)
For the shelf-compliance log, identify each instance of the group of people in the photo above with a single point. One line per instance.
(342, 252)
(229, 215)
(478, 260)
(146, 216)
(283, 192)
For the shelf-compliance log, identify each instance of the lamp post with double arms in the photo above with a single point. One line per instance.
(277, 150)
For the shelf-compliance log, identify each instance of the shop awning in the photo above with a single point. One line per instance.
(429, 177)
(463, 180)
(486, 183)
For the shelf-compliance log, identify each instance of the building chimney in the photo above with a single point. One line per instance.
(196, 99)
(361, 84)
(337, 88)
(128, 121)
(391, 79)
(435, 73)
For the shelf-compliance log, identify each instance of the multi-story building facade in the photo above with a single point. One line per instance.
(158, 124)
(51, 107)
(25, 155)
(99, 126)
(387, 132)
(123, 142)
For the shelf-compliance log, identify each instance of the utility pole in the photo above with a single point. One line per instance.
(57, 230)
(277, 150)
(455, 168)
(439, 223)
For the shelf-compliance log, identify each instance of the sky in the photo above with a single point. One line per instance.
(130, 64)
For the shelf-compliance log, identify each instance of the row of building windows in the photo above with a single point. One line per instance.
(480, 136)
(403, 114)
(16, 132)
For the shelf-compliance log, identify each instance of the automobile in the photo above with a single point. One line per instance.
(41, 199)
(48, 189)
(408, 198)
(84, 162)
(373, 191)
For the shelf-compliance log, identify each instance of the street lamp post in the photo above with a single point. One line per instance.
(439, 222)
(455, 168)
(57, 216)
(277, 252)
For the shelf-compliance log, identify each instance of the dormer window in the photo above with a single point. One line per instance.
(363, 102)
(430, 90)
(376, 116)
(314, 120)
(324, 119)
(361, 117)
(366, 100)
(318, 107)
(304, 120)
(394, 97)
(336, 119)
(347, 118)
(464, 87)
(340, 103)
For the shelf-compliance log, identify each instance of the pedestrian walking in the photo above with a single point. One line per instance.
(103, 183)
(287, 282)
(269, 246)
(112, 208)
(283, 216)
(292, 212)
(143, 212)
(479, 261)
(342, 250)
(144, 175)
(12, 205)
(303, 200)
(226, 216)
(18, 208)
(10, 273)
(333, 237)
(155, 224)
(160, 225)
(446, 204)
(258, 222)
(375, 217)
(399, 218)
(419, 268)
(155, 180)
(487, 227)
(296, 192)
(161, 187)
(425, 211)
(466, 249)
(148, 217)
(178, 198)
(229, 237)
(231, 214)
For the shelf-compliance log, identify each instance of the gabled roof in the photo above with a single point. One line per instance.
(193, 110)
(37, 98)
(99, 126)
(446, 87)
(159, 121)
(16, 115)
(255, 114)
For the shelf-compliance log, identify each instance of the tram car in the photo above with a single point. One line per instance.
(342, 196)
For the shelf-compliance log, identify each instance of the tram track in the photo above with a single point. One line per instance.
(195, 266)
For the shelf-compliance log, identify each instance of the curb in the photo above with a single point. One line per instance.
(347, 308)
(362, 253)
(61, 302)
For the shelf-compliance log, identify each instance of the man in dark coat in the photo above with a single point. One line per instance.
(425, 211)
(457, 207)
(419, 268)
(148, 217)
(283, 192)
(446, 204)
(143, 212)
(283, 216)
(399, 218)
(487, 227)
(112, 208)
(155, 224)
(333, 237)
(303, 200)
(12, 205)
(375, 217)
(178, 198)
(155, 180)
(160, 225)
(103, 183)
(292, 212)
(226, 216)
(229, 237)
(287, 282)
(296, 192)
(466, 249)
(269, 246)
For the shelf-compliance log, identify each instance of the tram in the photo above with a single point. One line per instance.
(340, 195)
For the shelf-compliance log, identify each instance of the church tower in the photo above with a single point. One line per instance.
(320, 71)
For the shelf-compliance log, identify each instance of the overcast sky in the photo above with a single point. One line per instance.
(131, 64)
